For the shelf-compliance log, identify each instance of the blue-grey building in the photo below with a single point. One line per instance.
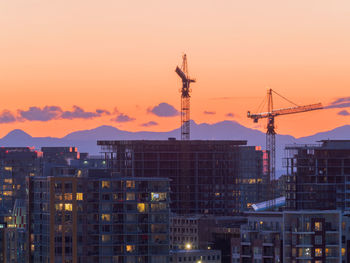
(99, 217)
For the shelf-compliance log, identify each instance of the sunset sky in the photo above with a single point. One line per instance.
(74, 65)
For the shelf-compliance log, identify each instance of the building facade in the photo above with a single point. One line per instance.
(318, 176)
(184, 232)
(207, 177)
(313, 236)
(98, 219)
(260, 239)
(195, 256)
(16, 163)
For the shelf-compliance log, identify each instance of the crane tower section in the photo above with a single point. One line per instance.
(271, 132)
(185, 98)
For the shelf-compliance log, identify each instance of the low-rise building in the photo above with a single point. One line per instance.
(313, 236)
(260, 239)
(195, 256)
(184, 232)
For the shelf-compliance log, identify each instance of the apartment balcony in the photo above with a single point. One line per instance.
(268, 244)
(304, 245)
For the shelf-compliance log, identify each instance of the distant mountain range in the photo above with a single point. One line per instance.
(85, 140)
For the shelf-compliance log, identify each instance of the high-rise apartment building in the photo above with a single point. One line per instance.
(207, 177)
(98, 218)
(318, 176)
(16, 163)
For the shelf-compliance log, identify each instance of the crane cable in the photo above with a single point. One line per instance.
(262, 104)
(285, 98)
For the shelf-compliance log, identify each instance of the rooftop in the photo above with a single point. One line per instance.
(173, 142)
(323, 145)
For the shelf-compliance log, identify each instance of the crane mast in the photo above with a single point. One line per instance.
(271, 139)
(271, 132)
(185, 98)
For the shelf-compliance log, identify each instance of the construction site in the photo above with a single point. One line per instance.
(207, 177)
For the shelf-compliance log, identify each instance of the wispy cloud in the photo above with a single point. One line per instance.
(49, 113)
(149, 124)
(46, 113)
(79, 113)
(344, 113)
(230, 115)
(7, 117)
(339, 103)
(209, 112)
(122, 118)
(164, 110)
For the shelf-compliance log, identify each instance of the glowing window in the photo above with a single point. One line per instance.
(59, 207)
(308, 226)
(305, 252)
(158, 196)
(327, 251)
(343, 251)
(130, 196)
(8, 181)
(106, 217)
(141, 207)
(106, 184)
(130, 248)
(68, 207)
(7, 193)
(318, 252)
(79, 196)
(318, 226)
(68, 196)
(118, 196)
(130, 184)
(8, 168)
(106, 238)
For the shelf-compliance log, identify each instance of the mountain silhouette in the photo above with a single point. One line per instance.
(85, 140)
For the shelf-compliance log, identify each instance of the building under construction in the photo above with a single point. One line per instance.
(207, 177)
(318, 176)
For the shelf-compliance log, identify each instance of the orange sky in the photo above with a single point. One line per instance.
(122, 54)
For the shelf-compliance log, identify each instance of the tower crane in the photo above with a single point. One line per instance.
(185, 98)
(271, 132)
